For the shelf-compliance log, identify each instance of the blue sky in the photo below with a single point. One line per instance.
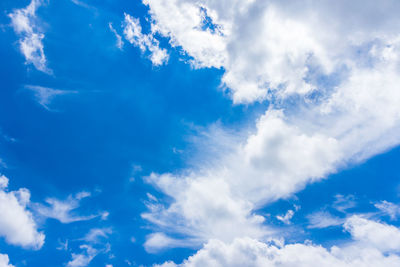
(199, 133)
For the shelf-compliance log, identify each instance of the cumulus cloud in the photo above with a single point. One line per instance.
(366, 249)
(17, 225)
(272, 46)
(63, 210)
(333, 87)
(146, 42)
(5, 261)
(24, 22)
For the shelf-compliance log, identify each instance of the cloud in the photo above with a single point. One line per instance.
(273, 47)
(17, 225)
(366, 249)
(63, 210)
(44, 95)
(83, 259)
(389, 208)
(384, 237)
(4, 261)
(96, 235)
(343, 203)
(24, 22)
(119, 43)
(323, 219)
(287, 217)
(95, 243)
(311, 129)
(159, 241)
(146, 42)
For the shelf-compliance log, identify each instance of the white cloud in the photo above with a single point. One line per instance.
(83, 259)
(287, 217)
(343, 203)
(323, 219)
(389, 208)
(146, 42)
(5, 261)
(24, 22)
(94, 244)
(45, 95)
(63, 210)
(159, 241)
(273, 46)
(119, 43)
(302, 137)
(367, 250)
(16, 222)
(384, 237)
(97, 235)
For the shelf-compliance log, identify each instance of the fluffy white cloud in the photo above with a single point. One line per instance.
(16, 222)
(273, 46)
(367, 250)
(370, 233)
(146, 42)
(5, 261)
(63, 210)
(24, 22)
(311, 129)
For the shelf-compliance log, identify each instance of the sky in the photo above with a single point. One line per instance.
(199, 133)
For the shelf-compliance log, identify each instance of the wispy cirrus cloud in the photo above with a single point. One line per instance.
(45, 95)
(64, 210)
(25, 24)
(119, 42)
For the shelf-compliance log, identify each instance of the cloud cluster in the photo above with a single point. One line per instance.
(16, 222)
(24, 22)
(5, 261)
(44, 95)
(276, 46)
(332, 78)
(367, 249)
(63, 210)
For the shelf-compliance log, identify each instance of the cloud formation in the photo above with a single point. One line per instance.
(146, 42)
(4, 261)
(333, 90)
(17, 225)
(367, 249)
(24, 22)
(63, 210)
